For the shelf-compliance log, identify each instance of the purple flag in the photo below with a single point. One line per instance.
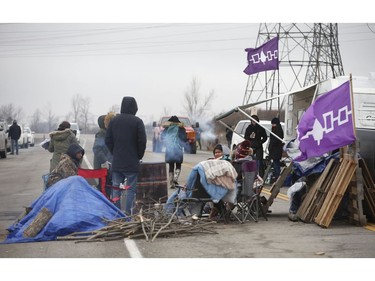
(327, 124)
(265, 57)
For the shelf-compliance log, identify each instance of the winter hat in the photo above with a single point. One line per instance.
(243, 149)
(101, 121)
(64, 125)
(218, 146)
(174, 119)
(255, 117)
(275, 121)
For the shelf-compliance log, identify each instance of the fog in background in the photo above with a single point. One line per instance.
(44, 65)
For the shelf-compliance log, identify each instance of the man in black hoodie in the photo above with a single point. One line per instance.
(126, 140)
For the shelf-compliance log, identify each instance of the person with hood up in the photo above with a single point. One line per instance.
(257, 135)
(174, 137)
(68, 165)
(126, 140)
(14, 133)
(59, 143)
(102, 155)
(275, 147)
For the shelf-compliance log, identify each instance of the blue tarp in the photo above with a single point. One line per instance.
(75, 205)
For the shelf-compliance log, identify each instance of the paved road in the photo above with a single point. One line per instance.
(278, 237)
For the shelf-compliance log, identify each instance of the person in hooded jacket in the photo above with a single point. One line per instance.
(68, 165)
(102, 155)
(126, 140)
(275, 147)
(174, 137)
(59, 143)
(257, 135)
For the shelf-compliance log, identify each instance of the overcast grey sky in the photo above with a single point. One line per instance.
(42, 63)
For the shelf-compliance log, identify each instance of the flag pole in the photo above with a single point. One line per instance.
(352, 102)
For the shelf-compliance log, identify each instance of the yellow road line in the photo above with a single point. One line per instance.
(370, 226)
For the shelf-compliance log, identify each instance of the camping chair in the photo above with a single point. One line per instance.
(199, 198)
(248, 199)
(101, 175)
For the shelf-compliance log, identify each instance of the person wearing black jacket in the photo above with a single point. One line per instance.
(126, 140)
(275, 147)
(257, 135)
(14, 134)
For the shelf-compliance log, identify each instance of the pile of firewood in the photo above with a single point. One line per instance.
(149, 223)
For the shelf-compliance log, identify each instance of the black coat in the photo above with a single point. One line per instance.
(14, 131)
(275, 147)
(126, 138)
(257, 135)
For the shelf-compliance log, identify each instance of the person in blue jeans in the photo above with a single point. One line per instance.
(14, 134)
(126, 140)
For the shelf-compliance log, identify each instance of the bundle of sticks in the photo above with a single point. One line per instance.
(149, 223)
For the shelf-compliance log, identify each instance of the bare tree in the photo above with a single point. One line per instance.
(84, 113)
(114, 108)
(9, 112)
(35, 121)
(50, 117)
(193, 103)
(76, 106)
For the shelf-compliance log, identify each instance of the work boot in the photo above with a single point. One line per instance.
(171, 182)
(176, 175)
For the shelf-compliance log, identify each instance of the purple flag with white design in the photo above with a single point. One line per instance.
(265, 57)
(327, 124)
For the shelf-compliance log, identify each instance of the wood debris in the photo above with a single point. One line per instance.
(151, 222)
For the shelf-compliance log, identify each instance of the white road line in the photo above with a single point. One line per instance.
(132, 249)
(84, 156)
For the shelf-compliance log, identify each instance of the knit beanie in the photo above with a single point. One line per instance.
(243, 149)
(275, 121)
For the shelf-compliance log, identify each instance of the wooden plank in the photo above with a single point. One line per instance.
(336, 192)
(277, 185)
(311, 195)
(41, 219)
(321, 195)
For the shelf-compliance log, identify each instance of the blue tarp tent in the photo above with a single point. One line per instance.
(74, 205)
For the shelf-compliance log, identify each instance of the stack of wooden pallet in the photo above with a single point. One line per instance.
(324, 197)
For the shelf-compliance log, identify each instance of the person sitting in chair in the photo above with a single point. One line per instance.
(68, 165)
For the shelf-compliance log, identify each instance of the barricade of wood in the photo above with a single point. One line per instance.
(341, 176)
(336, 191)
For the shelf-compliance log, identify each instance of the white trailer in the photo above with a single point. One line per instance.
(364, 111)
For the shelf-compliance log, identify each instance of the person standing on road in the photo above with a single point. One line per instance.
(102, 155)
(60, 142)
(228, 136)
(14, 134)
(174, 138)
(275, 147)
(126, 140)
(68, 164)
(257, 135)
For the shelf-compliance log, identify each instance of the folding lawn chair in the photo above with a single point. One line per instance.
(248, 200)
(198, 199)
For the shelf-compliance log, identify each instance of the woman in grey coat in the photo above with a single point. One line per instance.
(60, 142)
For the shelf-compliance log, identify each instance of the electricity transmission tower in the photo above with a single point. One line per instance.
(308, 53)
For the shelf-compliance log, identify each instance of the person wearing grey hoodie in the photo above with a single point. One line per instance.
(126, 140)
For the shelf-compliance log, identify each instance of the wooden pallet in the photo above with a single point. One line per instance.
(338, 188)
(305, 211)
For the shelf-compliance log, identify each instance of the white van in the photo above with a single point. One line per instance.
(75, 128)
(240, 129)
